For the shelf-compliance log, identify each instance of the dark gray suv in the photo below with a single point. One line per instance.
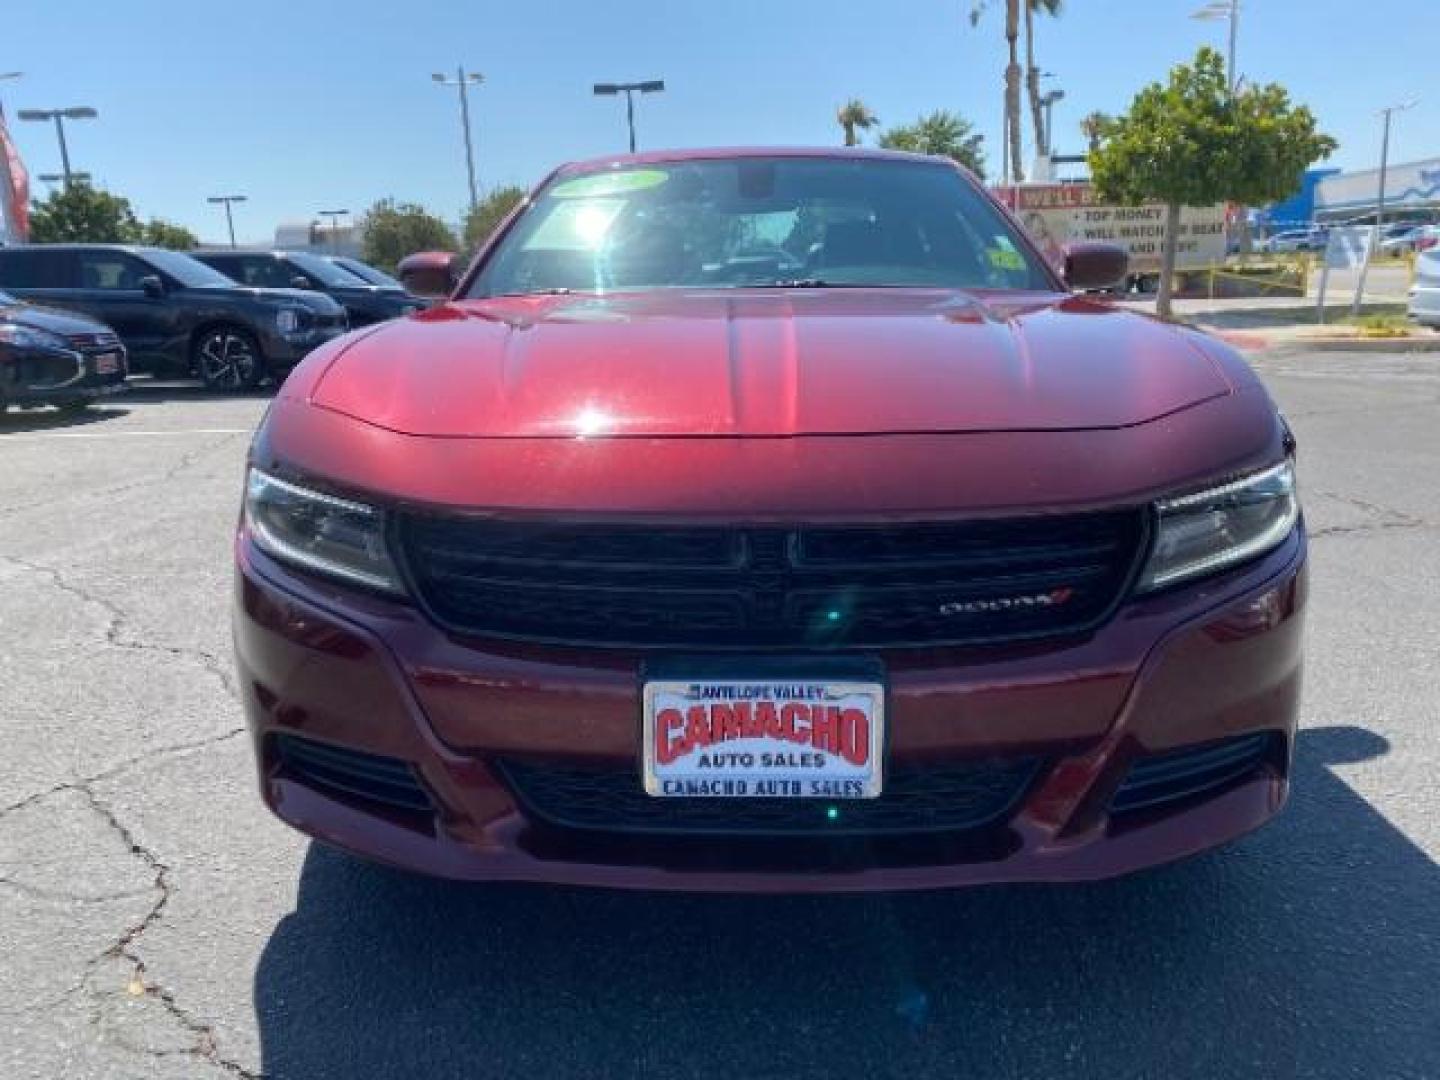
(175, 315)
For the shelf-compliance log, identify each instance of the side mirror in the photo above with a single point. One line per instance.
(1093, 265)
(152, 286)
(300, 281)
(431, 274)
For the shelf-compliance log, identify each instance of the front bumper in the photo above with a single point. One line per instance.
(48, 377)
(1211, 663)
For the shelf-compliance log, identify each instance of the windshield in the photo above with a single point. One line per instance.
(753, 221)
(191, 273)
(367, 273)
(325, 272)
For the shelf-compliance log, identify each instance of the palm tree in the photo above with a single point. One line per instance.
(1014, 171)
(853, 115)
(1093, 128)
(943, 134)
(1032, 73)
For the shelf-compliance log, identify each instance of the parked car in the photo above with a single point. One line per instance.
(364, 303)
(1425, 292)
(1294, 240)
(50, 357)
(640, 563)
(1409, 240)
(365, 272)
(176, 316)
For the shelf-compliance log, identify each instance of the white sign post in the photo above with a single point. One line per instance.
(1346, 249)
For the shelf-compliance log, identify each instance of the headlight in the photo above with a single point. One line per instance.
(331, 536)
(291, 319)
(1202, 533)
(27, 337)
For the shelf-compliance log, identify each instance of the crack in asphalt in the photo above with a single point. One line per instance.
(118, 619)
(206, 1045)
(187, 460)
(1397, 519)
(126, 945)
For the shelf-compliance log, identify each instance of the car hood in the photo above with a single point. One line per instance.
(64, 323)
(299, 297)
(753, 363)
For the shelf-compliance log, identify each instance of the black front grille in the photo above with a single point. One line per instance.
(813, 587)
(1189, 771)
(938, 798)
(371, 777)
(40, 371)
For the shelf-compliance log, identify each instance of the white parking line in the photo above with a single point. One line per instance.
(120, 434)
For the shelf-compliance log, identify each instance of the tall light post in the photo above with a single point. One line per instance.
(334, 216)
(464, 80)
(1388, 112)
(1048, 103)
(229, 219)
(1228, 10)
(59, 116)
(650, 86)
(57, 178)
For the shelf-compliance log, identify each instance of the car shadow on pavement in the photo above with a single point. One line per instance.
(1309, 949)
(48, 419)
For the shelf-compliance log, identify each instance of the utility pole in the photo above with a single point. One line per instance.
(1388, 112)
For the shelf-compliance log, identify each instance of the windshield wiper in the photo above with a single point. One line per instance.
(558, 291)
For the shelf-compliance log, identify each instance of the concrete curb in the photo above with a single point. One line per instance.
(1262, 342)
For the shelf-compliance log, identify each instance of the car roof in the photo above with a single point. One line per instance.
(721, 153)
(240, 251)
(132, 249)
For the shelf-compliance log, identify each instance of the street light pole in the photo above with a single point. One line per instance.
(464, 80)
(229, 219)
(59, 116)
(1230, 10)
(649, 86)
(334, 216)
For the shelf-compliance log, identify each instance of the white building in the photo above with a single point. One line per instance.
(1411, 189)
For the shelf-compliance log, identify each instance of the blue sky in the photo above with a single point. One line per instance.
(306, 105)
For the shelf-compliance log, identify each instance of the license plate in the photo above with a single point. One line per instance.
(774, 738)
(107, 363)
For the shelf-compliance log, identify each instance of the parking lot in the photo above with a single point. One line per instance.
(157, 923)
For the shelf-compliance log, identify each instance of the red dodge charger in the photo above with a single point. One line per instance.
(772, 520)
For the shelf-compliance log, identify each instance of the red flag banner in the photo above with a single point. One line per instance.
(14, 191)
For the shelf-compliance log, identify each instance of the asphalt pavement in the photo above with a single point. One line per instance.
(155, 922)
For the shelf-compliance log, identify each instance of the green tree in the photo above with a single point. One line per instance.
(480, 222)
(1032, 73)
(942, 133)
(393, 230)
(853, 117)
(1192, 143)
(81, 213)
(157, 232)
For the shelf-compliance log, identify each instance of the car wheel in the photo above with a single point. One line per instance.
(229, 359)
